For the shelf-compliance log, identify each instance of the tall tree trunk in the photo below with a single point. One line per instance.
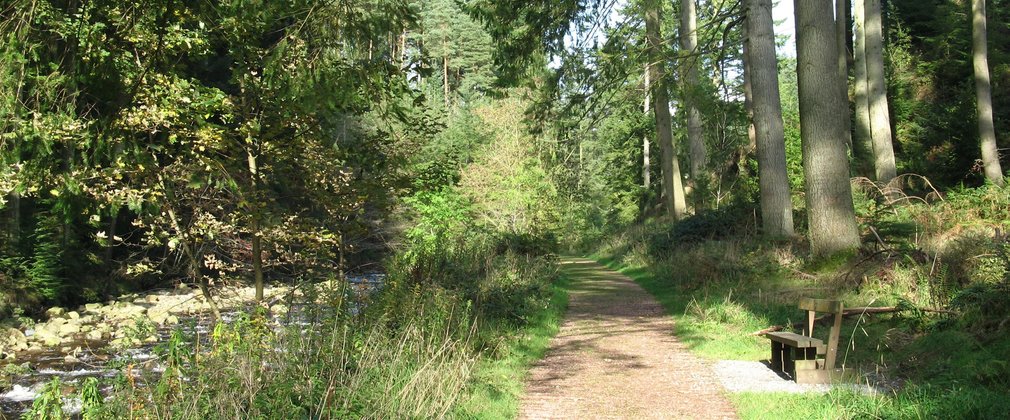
(841, 37)
(689, 82)
(748, 94)
(110, 249)
(257, 238)
(863, 146)
(761, 68)
(673, 187)
(880, 120)
(646, 166)
(830, 214)
(445, 80)
(15, 228)
(403, 48)
(983, 94)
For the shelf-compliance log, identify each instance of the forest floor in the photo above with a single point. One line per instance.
(615, 356)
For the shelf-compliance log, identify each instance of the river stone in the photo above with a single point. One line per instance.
(158, 315)
(93, 335)
(69, 329)
(92, 307)
(278, 309)
(47, 330)
(55, 312)
(171, 320)
(73, 315)
(15, 336)
(127, 311)
(50, 340)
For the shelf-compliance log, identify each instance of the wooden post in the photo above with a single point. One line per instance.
(777, 356)
(832, 353)
(811, 315)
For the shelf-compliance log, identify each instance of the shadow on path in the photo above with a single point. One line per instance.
(616, 357)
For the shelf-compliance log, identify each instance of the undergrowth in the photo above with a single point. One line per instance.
(941, 263)
(430, 344)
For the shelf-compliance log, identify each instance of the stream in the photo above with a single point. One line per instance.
(75, 360)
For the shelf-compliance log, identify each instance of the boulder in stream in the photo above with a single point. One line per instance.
(55, 312)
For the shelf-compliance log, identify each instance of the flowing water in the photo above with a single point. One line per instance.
(97, 359)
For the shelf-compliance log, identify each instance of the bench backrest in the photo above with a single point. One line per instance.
(812, 306)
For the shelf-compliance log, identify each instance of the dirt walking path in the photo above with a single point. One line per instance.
(616, 357)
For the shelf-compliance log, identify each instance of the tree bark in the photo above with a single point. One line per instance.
(748, 94)
(841, 37)
(983, 94)
(445, 80)
(761, 68)
(403, 48)
(689, 82)
(15, 227)
(863, 147)
(257, 238)
(830, 214)
(880, 120)
(672, 183)
(646, 166)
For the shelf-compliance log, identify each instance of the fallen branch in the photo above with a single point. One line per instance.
(851, 312)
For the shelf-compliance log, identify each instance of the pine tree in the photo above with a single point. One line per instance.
(830, 213)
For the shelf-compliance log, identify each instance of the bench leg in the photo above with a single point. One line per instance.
(777, 356)
(789, 361)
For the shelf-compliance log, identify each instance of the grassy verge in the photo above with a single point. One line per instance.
(450, 335)
(944, 373)
(948, 364)
(498, 379)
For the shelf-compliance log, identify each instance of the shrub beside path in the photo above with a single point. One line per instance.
(616, 357)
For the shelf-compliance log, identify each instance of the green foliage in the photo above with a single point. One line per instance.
(44, 272)
(438, 216)
(49, 404)
(728, 222)
(411, 351)
(916, 401)
(91, 399)
(931, 86)
(789, 93)
(11, 370)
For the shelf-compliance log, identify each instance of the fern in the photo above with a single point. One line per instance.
(45, 267)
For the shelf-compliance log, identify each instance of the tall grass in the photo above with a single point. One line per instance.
(423, 347)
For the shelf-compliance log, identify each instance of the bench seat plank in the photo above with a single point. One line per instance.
(795, 340)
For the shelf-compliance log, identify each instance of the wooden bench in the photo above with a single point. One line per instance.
(797, 355)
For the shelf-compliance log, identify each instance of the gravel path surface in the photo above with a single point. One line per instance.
(616, 357)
